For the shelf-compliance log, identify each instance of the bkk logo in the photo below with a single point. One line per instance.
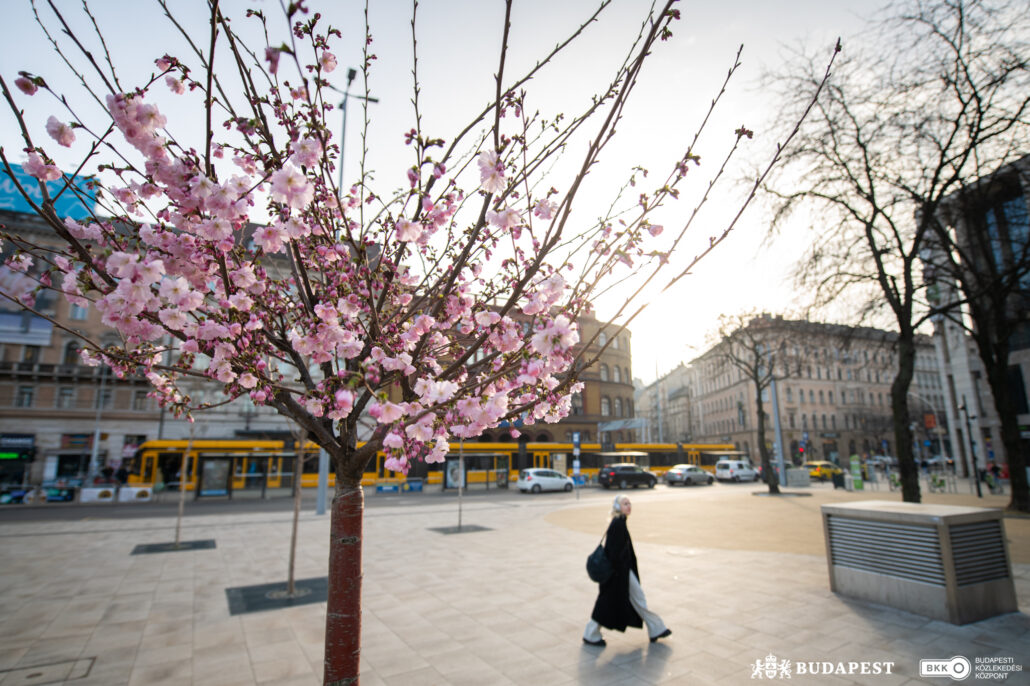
(774, 668)
(958, 668)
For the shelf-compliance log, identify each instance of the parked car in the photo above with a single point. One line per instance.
(686, 474)
(536, 480)
(735, 470)
(625, 475)
(822, 470)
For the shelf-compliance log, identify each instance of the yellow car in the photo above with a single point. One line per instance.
(822, 470)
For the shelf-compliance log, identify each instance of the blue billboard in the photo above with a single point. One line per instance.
(68, 205)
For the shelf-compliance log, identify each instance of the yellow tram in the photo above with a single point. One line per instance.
(219, 467)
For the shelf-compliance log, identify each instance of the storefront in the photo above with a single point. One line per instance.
(16, 454)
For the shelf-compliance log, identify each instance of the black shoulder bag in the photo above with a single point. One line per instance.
(599, 567)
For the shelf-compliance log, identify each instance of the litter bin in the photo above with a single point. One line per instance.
(838, 480)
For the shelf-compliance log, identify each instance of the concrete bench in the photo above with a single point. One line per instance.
(940, 561)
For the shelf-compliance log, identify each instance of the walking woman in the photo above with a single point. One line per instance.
(620, 600)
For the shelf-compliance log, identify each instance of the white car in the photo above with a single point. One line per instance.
(687, 474)
(735, 470)
(536, 480)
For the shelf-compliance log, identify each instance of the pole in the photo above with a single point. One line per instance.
(972, 450)
(95, 452)
(182, 483)
(778, 431)
(461, 475)
(298, 470)
(323, 481)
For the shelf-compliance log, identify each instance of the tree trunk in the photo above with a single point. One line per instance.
(997, 379)
(343, 613)
(768, 473)
(902, 425)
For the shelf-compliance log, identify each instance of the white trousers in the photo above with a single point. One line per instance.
(652, 621)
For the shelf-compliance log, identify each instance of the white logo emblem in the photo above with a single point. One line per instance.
(771, 668)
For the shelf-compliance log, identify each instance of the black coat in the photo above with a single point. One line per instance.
(612, 610)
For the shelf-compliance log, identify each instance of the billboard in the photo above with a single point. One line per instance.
(69, 204)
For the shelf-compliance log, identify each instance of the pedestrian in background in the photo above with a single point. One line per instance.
(620, 600)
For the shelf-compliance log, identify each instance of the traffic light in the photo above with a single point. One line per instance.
(801, 449)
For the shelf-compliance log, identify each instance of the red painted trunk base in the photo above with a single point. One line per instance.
(343, 614)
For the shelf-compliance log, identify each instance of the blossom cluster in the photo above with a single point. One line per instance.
(436, 323)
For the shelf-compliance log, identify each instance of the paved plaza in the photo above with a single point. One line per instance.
(737, 577)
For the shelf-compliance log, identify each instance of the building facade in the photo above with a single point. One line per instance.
(832, 391)
(990, 222)
(607, 393)
(53, 407)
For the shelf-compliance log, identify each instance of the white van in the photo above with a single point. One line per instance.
(735, 470)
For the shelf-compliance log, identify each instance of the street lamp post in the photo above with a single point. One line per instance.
(972, 449)
(95, 451)
(351, 74)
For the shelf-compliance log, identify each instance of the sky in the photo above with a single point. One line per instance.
(457, 45)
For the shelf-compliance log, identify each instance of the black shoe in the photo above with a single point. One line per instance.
(600, 643)
(654, 639)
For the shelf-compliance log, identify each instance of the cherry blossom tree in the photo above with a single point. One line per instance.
(438, 309)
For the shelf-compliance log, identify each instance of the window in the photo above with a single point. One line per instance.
(801, 396)
(606, 407)
(604, 372)
(618, 406)
(790, 419)
(602, 338)
(577, 403)
(30, 354)
(790, 395)
(829, 396)
(616, 373)
(615, 343)
(822, 399)
(24, 396)
(71, 353)
(824, 421)
(811, 396)
(139, 400)
(626, 376)
(102, 399)
(66, 397)
(804, 421)
(818, 373)
(78, 313)
(833, 421)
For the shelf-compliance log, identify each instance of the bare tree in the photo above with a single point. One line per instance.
(936, 98)
(757, 346)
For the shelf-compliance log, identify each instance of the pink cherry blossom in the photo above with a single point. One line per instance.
(491, 172)
(655, 229)
(271, 239)
(408, 230)
(35, 166)
(26, 86)
(327, 60)
(175, 85)
(306, 152)
(60, 132)
(248, 380)
(292, 188)
(544, 209)
(272, 57)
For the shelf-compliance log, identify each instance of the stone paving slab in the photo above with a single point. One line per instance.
(504, 606)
